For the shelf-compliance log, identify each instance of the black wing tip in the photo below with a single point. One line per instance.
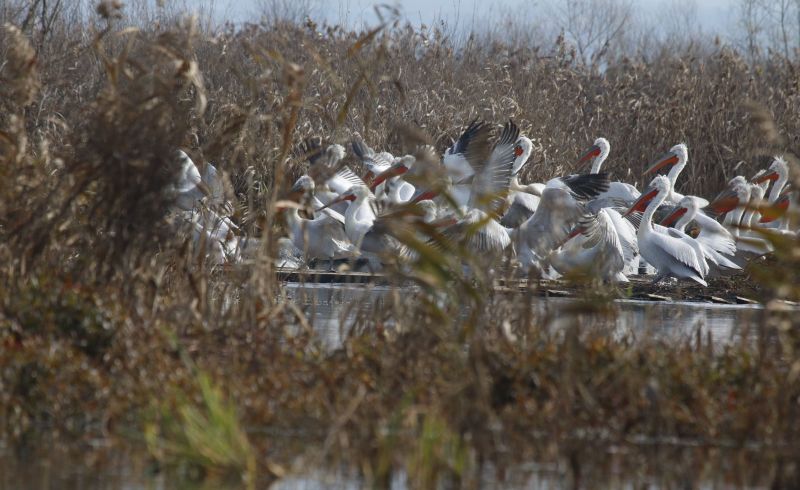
(510, 133)
(475, 126)
(358, 149)
(311, 149)
(588, 186)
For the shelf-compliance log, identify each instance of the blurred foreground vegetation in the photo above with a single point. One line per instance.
(109, 326)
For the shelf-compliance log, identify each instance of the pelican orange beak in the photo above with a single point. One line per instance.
(673, 217)
(392, 171)
(775, 211)
(368, 176)
(346, 197)
(641, 204)
(592, 152)
(425, 196)
(284, 204)
(772, 176)
(577, 231)
(725, 202)
(666, 160)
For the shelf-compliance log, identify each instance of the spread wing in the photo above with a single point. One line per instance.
(493, 176)
(471, 146)
(587, 186)
(479, 233)
(626, 233)
(473, 131)
(522, 207)
(344, 178)
(552, 222)
(714, 235)
(599, 233)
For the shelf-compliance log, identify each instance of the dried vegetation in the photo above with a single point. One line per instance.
(109, 327)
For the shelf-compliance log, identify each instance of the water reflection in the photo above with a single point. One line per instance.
(331, 308)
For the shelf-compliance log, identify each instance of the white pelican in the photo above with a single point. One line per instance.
(626, 233)
(213, 236)
(357, 221)
(522, 153)
(479, 233)
(489, 177)
(192, 188)
(618, 193)
(492, 176)
(322, 237)
(750, 241)
(560, 207)
(466, 162)
(676, 158)
(375, 162)
(325, 169)
(388, 183)
(715, 240)
(456, 164)
(189, 188)
(359, 224)
(522, 200)
(778, 174)
(593, 248)
(289, 256)
(200, 201)
(479, 230)
(671, 252)
(777, 215)
(732, 202)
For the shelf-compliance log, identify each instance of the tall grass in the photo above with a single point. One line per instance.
(443, 381)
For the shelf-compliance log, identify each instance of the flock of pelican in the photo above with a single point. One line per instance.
(570, 225)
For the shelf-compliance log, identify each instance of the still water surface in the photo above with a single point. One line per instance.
(330, 308)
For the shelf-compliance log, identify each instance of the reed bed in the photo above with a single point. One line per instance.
(110, 326)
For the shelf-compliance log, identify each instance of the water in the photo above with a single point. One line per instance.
(330, 308)
(102, 467)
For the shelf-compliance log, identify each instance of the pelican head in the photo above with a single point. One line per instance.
(737, 193)
(597, 153)
(761, 179)
(688, 205)
(522, 152)
(660, 185)
(778, 169)
(359, 192)
(675, 158)
(401, 166)
(304, 185)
